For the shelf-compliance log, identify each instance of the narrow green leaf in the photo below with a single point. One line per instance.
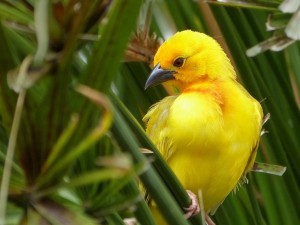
(269, 168)
(41, 28)
(149, 178)
(16, 14)
(61, 142)
(57, 214)
(255, 4)
(5, 179)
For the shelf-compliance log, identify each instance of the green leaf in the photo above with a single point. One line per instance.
(56, 214)
(41, 28)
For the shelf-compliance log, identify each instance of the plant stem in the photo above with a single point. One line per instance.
(10, 155)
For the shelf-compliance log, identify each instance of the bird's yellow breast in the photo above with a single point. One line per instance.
(211, 128)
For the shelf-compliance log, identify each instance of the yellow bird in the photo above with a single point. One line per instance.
(209, 133)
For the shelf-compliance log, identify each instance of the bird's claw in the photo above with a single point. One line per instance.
(194, 208)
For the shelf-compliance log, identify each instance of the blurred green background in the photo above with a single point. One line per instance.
(72, 97)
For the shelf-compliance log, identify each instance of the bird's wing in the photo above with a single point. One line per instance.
(258, 113)
(156, 125)
(260, 122)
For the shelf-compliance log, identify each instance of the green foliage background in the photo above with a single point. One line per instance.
(80, 67)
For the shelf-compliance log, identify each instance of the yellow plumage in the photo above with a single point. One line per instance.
(209, 132)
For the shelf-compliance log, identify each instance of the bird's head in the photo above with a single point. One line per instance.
(189, 56)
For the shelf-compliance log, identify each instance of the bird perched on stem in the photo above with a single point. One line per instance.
(209, 133)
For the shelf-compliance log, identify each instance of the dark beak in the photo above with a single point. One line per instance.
(159, 75)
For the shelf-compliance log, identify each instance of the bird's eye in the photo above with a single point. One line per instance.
(178, 62)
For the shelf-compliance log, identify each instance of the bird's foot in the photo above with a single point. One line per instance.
(194, 209)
